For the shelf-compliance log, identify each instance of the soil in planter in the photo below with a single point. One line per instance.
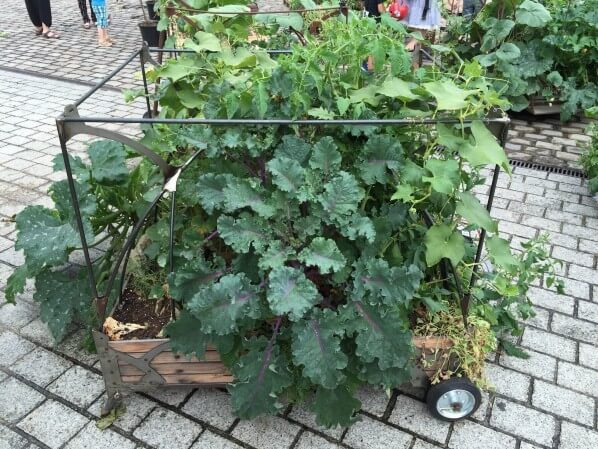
(138, 310)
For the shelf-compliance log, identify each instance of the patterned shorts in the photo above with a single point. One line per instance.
(101, 13)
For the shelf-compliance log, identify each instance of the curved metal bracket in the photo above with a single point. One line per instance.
(71, 129)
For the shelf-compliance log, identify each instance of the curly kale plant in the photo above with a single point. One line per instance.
(300, 251)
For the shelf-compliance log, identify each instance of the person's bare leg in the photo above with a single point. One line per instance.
(410, 46)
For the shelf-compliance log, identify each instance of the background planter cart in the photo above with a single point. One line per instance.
(145, 364)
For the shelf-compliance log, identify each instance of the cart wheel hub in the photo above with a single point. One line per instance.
(455, 404)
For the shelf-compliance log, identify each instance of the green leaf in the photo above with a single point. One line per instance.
(204, 41)
(108, 161)
(496, 31)
(446, 175)
(449, 96)
(513, 350)
(384, 339)
(500, 252)
(341, 195)
(358, 226)
(290, 292)
(176, 69)
(287, 174)
(62, 298)
(186, 336)
(325, 155)
(532, 14)
(335, 407)
(508, 52)
(243, 232)
(44, 239)
(321, 113)
(324, 254)
(374, 279)
(397, 88)
(555, 78)
(260, 99)
(276, 255)
(241, 58)
(486, 149)
(469, 207)
(317, 347)
(220, 306)
(15, 283)
(443, 241)
(210, 190)
(365, 94)
(487, 60)
(261, 374)
(380, 154)
(241, 193)
(292, 20)
(342, 104)
(292, 147)
(188, 278)
(404, 193)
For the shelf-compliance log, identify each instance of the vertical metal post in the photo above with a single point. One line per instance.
(171, 246)
(146, 89)
(60, 125)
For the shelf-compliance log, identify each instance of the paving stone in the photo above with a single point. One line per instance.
(17, 399)
(508, 382)
(588, 355)
(563, 402)
(137, 408)
(540, 319)
(577, 437)
(38, 331)
(469, 435)
(10, 439)
(374, 400)
(3, 376)
(586, 210)
(371, 434)
(578, 329)
(15, 316)
(538, 365)
(419, 444)
(578, 378)
(171, 396)
(268, 432)
(509, 416)
(564, 178)
(413, 415)
(90, 437)
(578, 289)
(583, 274)
(72, 346)
(580, 231)
(53, 423)
(306, 417)
(525, 445)
(550, 344)
(517, 229)
(310, 441)
(573, 256)
(587, 311)
(209, 440)
(552, 300)
(164, 429)
(13, 347)
(211, 406)
(79, 386)
(51, 366)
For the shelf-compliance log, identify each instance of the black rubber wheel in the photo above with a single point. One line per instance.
(453, 399)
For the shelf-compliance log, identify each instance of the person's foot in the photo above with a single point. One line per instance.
(109, 39)
(51, 35)
(38, 31)
(87, 25)
(410, 46)
(105, 43)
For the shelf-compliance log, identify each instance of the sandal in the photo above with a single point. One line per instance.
(105, 44)
(51, 35)
(38, 31)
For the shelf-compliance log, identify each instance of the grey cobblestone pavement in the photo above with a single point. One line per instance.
(50, 394)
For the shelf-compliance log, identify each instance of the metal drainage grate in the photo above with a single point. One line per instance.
(576, 173)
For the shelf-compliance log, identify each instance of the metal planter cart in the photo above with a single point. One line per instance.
(145, 364)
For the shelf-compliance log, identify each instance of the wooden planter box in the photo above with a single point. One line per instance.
(541, 106)
(146, 364)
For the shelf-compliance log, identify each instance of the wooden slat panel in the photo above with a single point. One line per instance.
(141, 345)
(177, 379)
(432, 342)
(171, 357)
(178, 368)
